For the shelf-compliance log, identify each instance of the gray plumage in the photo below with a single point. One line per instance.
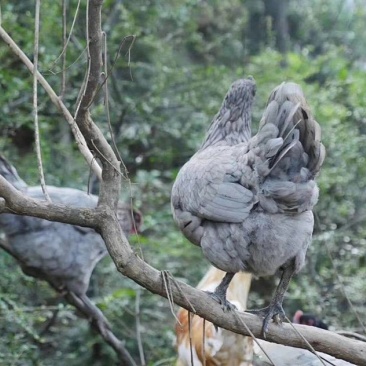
(65, 255)
(61, 254)
(247, 201)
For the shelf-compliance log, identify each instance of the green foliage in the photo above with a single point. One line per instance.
(163, 95)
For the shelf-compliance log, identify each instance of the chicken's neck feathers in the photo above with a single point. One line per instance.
(232, 124)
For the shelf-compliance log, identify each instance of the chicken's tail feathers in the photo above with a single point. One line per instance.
(291, 135)
(288, 145)
(299, 119)
(9, 172)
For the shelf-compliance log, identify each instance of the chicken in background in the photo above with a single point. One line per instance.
(64, 255)
(222, 347)
(247, 201)
(308, 319)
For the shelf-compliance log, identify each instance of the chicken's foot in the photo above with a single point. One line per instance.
(219, 295)
(274, 310)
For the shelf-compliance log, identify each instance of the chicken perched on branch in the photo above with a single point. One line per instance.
(221, 347)
(247, 201)
(64, 255)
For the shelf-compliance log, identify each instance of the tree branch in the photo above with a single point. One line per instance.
(17, 203)
(111, 178)
(79, 138)
(35, 102)
(130, 265)
(127, 262)
(87, 308)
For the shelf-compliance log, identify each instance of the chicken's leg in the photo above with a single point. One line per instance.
(219, 294)
(274, 310)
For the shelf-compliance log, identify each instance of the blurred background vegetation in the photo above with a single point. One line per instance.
(162, 98)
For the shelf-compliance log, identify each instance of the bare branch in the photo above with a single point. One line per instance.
(352, 335)
(66, 41)
(89, 310)
(79, 138)
(138, 328)
(101, 325)
(106, 101)
(130, 265)
(17, 203)
(111, 182)
(321, 340)
(35, 102)
(64, 49)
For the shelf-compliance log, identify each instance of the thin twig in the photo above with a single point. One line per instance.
(182, 292)
(190, 335)
(49, 322)
(101, 154)
(311, 349)
(51, 72)
(87, 74)
(204, 342)
(114, 62)
(138, 328)
(169, 294)
(253, 336)
(106, 98)
(63, 53)
(65, 44)
(35, 102)
(101, 325)
(79, 138)
(352, 335)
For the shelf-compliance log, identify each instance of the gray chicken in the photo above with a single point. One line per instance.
(247, 201)
(64, 255)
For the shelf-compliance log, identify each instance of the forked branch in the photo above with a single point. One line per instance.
(103, 219)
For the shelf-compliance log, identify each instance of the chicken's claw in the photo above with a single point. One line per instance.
(273, 312)
(221, 299)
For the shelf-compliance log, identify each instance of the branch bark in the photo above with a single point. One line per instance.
(104, 220)
(130, 265)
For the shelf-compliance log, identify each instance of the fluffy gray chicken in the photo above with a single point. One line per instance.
(64, 255)
(247, 201)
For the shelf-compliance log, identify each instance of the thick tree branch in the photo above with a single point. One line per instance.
(111, 177)
(16, 202)
(130, 265)
(183, 295)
